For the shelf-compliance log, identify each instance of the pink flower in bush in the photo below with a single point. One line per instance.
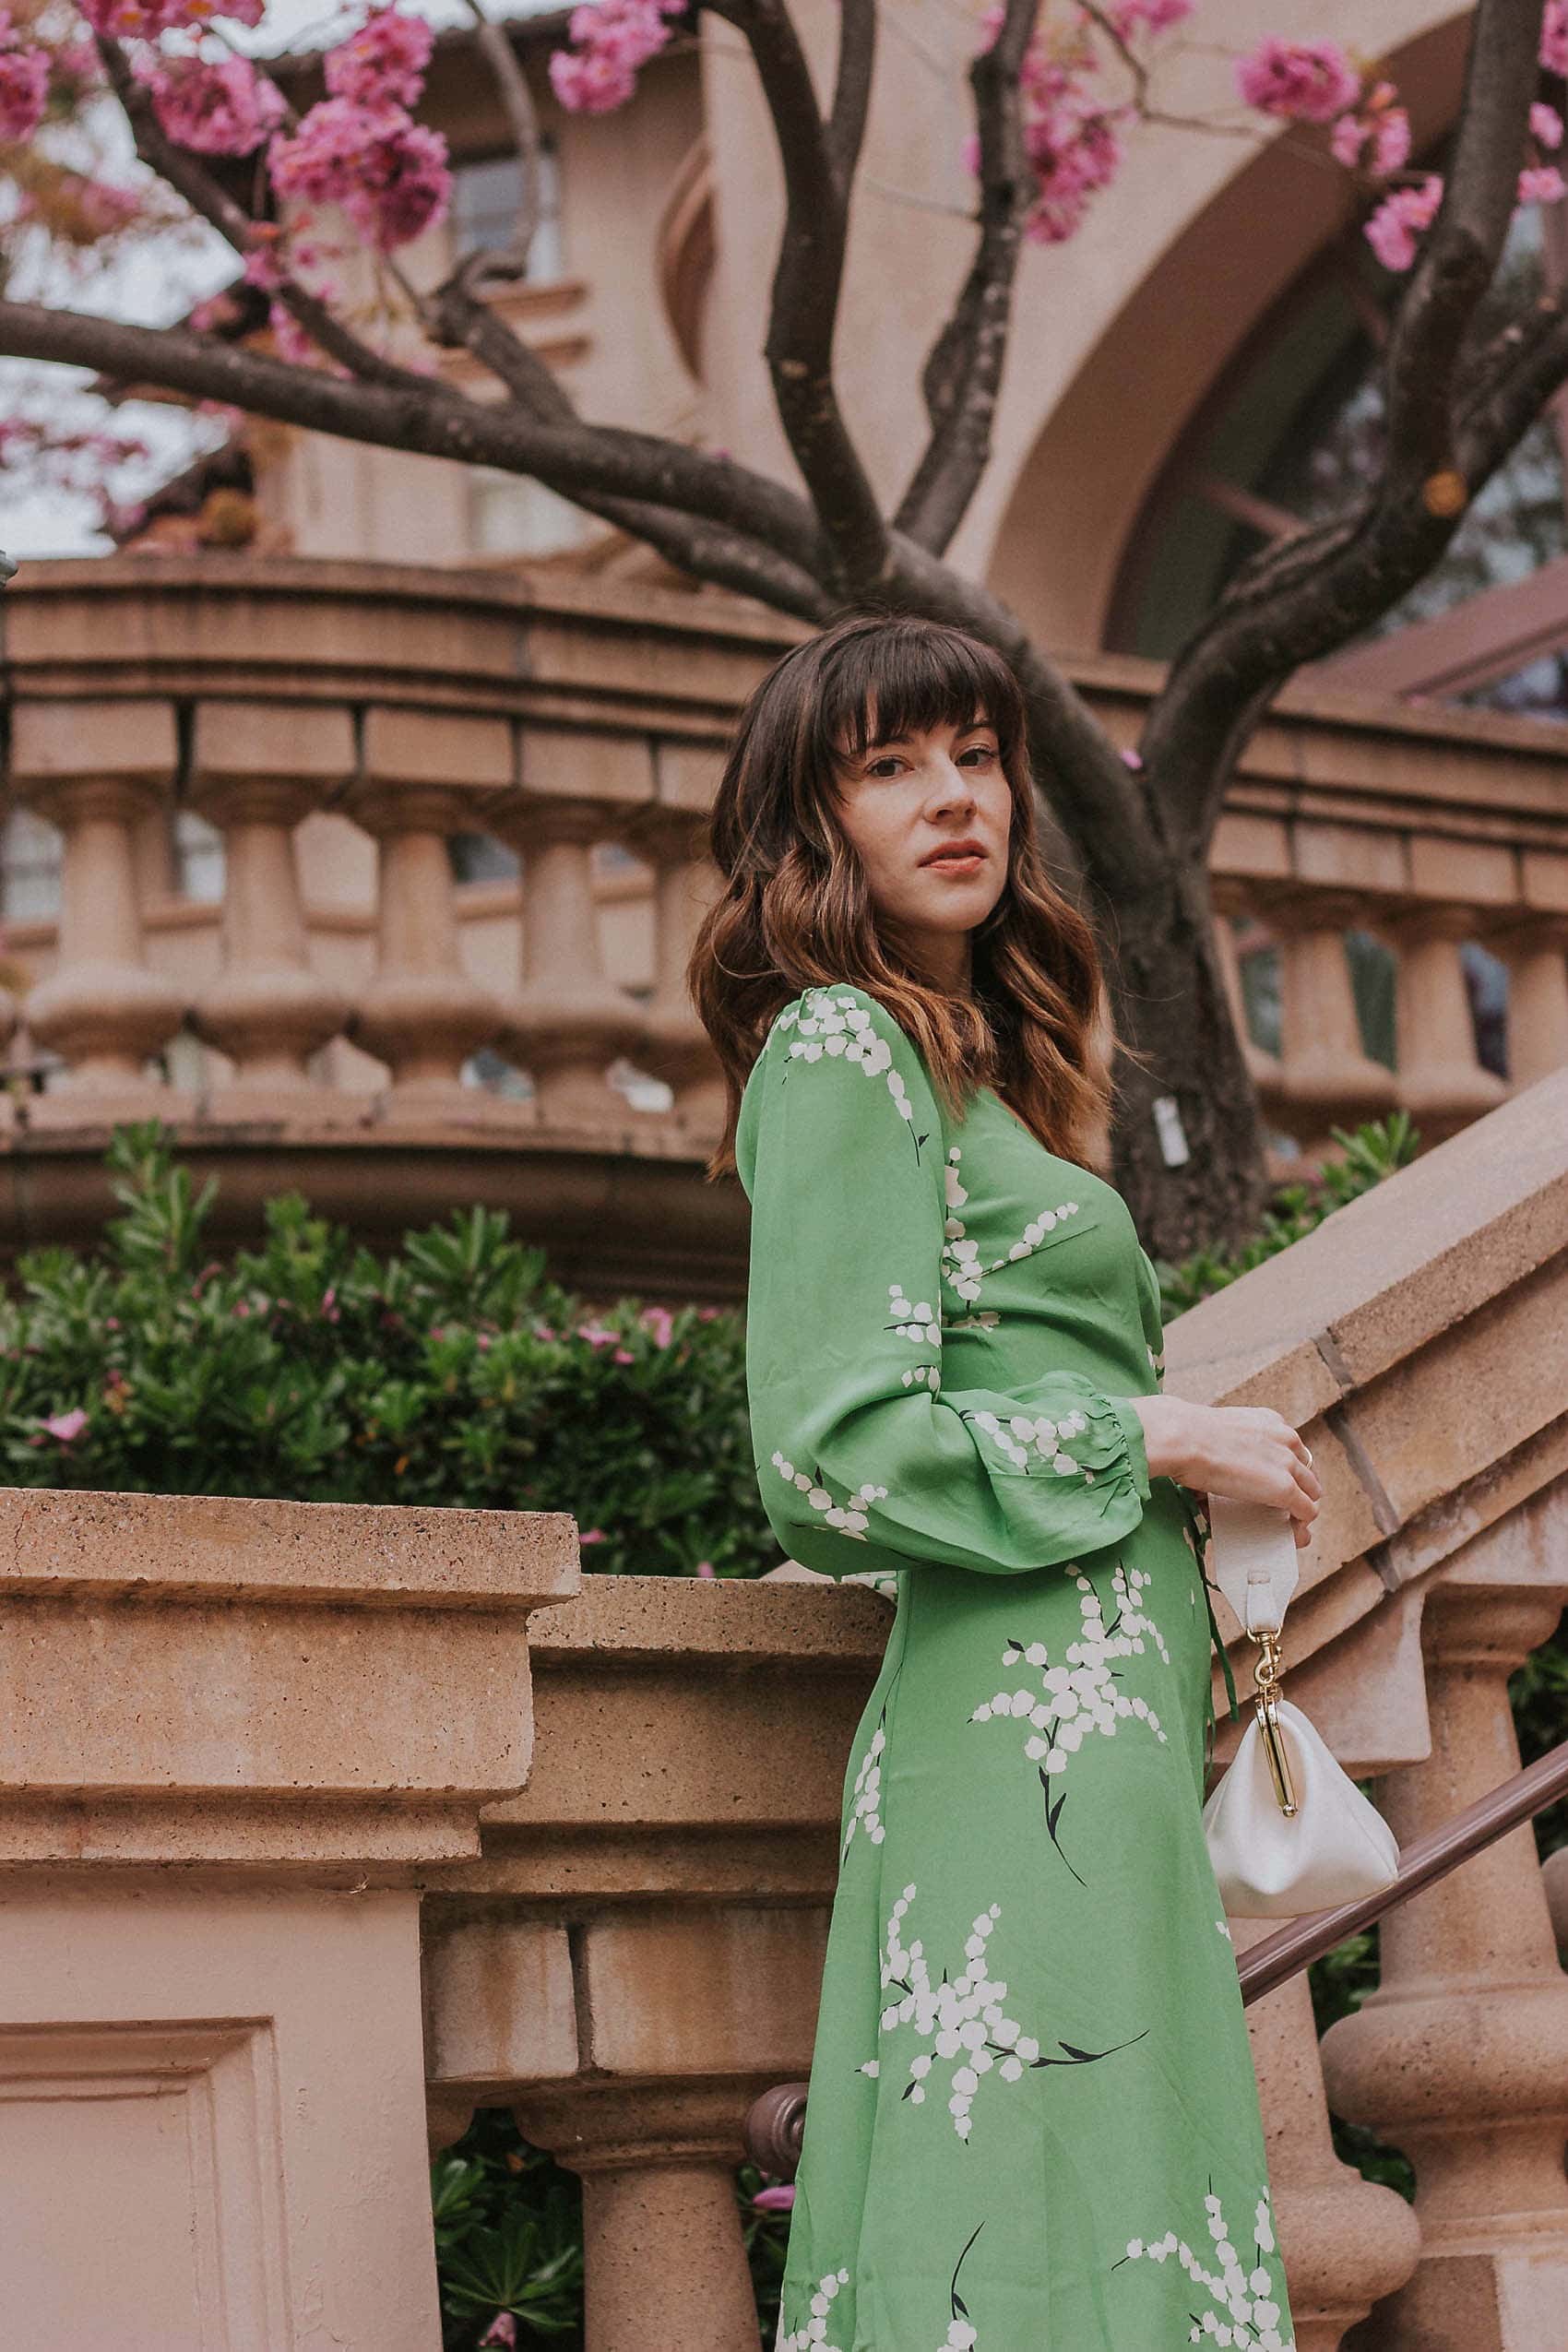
(1543, 183)
(1545, 125)
(777, 2200)
(384, 62)
(598, 1334)
(661, 1323)
(704, 1568)
(622, 1355)
(388, 173)
(592, 1535)
(67, 1427)
(24, 92)
(502, 2331)
(1393, 227)
(1554, 37)
(1300, 81)
(223, 107)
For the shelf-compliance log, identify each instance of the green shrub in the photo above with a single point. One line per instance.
(451, 1371)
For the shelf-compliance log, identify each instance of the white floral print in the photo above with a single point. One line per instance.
(1079, 1696)
(813, 2337)
(963, 2018)
(1049, 1439)
(915, 1322)
(960, 2335)
(960, 1256)
(866, 1796)
(838, 1027)
(1251, 2301)
(850, 1518)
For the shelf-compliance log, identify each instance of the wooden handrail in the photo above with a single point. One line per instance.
(775, 2122)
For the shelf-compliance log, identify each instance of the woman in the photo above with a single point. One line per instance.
(1033, 2122)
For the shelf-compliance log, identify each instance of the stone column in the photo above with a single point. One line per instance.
(425, 776)
(258, 769)
(1461, 2057)
(1536, 949)
(675, 1046)
(216, 1804)
(568, 1022)
(664, 2260)
(1345, 2242)
(1441, 1082)
(95, 769)
(1326, 1077)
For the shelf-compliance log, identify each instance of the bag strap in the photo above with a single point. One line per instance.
(1255, 1561)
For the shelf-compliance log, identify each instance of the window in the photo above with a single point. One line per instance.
(484, 208)
(30, 868)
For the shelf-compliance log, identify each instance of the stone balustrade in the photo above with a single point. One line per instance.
(347, 1007)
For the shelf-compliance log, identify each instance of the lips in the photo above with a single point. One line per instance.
(966, 854)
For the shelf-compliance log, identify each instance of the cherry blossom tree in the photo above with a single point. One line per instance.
(1057, 89)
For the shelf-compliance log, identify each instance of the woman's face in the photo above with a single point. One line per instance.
(930, 816)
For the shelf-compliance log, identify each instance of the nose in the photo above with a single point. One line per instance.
(952, 790)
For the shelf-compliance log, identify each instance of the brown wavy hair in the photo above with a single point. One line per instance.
(795, 909)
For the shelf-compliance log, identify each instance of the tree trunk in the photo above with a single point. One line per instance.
(1187, 1146)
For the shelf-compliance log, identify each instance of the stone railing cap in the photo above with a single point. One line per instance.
(160, 1547)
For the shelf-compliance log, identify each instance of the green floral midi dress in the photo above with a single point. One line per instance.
(1033, 2124)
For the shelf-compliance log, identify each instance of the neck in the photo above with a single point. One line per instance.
(942, 957)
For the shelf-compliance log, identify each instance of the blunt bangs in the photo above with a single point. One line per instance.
(899, 677)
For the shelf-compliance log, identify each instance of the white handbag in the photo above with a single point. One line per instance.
(1288, 1830)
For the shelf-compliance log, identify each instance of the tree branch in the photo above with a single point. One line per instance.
(601, 460)
(963, 373)
(1306, 602)
(511, 262)
(807, 283)
(851, 92)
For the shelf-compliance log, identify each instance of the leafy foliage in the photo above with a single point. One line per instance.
(1373, 1153)
(451, 1373)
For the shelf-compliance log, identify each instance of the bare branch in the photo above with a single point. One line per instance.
(575, 459)
(460, 319)
(1309, 600)
(806, 288)
(963, 373)
(512, 261)
(851, 93)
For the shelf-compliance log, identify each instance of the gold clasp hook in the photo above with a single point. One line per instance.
(1267, 1669)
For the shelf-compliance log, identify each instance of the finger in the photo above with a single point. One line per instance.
(1302, 1534)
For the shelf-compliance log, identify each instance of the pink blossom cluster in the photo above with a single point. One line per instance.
(610, 40)
(1399, 218)
(1130, 18)
(1554, 37)
(389, 173)
(1545, 125)
(1300, 81)
(382, 63)
(146, 19)
(24, 82)
(1543, 184)
(213, 108)
(1375, 136)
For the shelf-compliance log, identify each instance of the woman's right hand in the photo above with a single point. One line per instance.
(1249, 1452)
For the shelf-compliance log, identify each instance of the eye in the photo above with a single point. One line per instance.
(887, 765)
(979, 754)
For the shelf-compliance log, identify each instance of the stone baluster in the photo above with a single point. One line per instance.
(95, 769)
(1326, 1077)
(568, 1022)
(257, 773)
(1345, 2242)
(1230, 899)
(1536, 950)
(1460, 2057)
(1441, 1081)
(630, 2045)
(423, 776)
(675, 1046)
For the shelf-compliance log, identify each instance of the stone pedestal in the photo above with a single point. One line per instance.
(230, 1734)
